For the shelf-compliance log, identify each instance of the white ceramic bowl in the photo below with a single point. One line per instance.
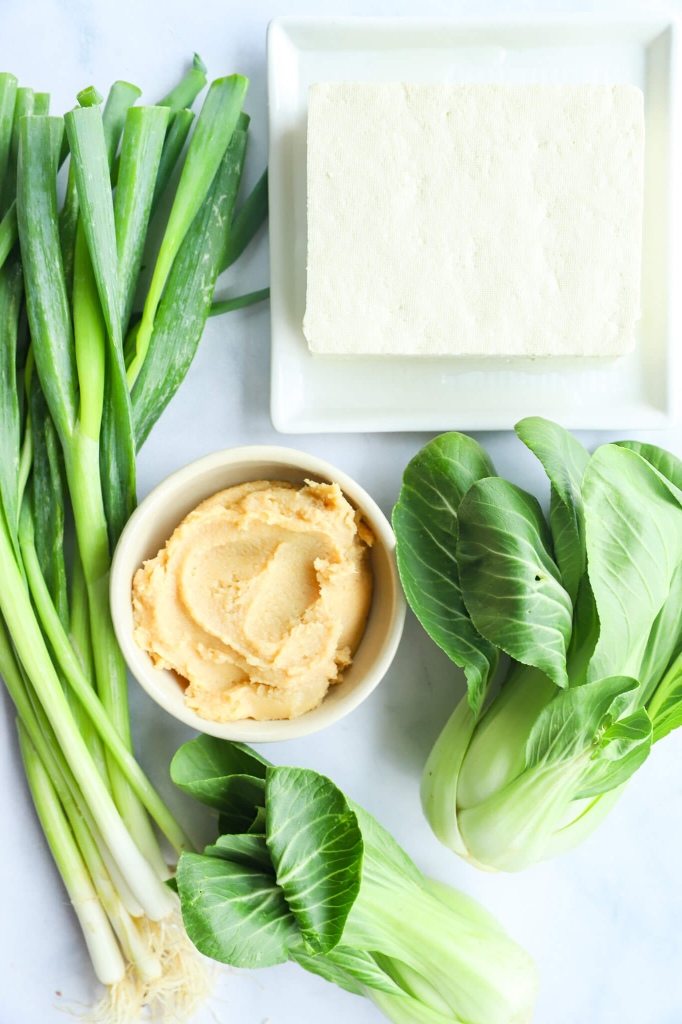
(166, 506)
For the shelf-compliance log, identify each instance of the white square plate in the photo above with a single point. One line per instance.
(330, 393)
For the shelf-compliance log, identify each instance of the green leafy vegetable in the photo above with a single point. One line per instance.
(235, 914)
(319, 871)
(634, 546)
(564, 461)
(327, 887)
(249, 850)
(667, 464)
(425, 519)
(622, 748)
(569, 723)
(510, 583)
(349, 968)
(207, 765)
(587, 607)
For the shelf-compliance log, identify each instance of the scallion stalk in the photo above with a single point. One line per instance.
(35, 657)
(9, 232)
(8, 96)
(238, 302)
(185, 92)
(247, 221)
(99, 936)
(185, 305)
(214, 129)
(120, 100)
(176, 137)
(141, 149)
(11, 292)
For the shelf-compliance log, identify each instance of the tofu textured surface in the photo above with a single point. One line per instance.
(474, 220)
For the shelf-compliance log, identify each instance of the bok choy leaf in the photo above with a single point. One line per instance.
(564, 460)
(510, 583)
(634, 546)
(425, 520)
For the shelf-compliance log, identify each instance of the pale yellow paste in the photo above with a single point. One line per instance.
(259, 599)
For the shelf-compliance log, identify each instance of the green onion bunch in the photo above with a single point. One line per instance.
(92, 348)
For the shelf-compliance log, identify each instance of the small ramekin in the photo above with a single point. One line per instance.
(166, 506)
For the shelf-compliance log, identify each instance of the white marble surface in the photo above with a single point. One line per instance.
(605, 922)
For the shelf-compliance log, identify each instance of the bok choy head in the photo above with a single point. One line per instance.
(300, 872)
(585, 604)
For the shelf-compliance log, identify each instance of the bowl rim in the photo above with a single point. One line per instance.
(138, 661)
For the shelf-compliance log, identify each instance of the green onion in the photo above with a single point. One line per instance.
(172, 148)
(35, 657)
(41, 103)
(8, 95)
(86, 133)
(48, 501)
(70, 666)
(67, 467)
(186, 91)
(141, 149)
(46, 299)
(247, 221)
(11, 288)
(185, 306)
(24, 106)
(9, 232)
(121, 98)
(99, 936)
(239, 302)
(213, 131)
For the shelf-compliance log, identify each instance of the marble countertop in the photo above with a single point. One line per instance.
(604, 923)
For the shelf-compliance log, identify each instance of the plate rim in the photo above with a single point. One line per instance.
(643, 414)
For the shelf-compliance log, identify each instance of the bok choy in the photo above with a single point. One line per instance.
(579, 612)
(82, 381)
(299, 872)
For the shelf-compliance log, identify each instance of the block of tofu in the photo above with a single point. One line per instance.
(474, 220)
